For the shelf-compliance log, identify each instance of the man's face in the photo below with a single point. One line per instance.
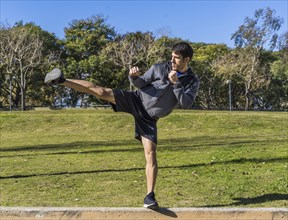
(178, 62)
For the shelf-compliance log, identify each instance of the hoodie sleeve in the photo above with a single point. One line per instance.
(143, 81)
(186, 96)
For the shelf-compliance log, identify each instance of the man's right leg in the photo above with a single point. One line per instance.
(57, 77)
(90, 88)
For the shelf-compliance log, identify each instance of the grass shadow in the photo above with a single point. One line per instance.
(165, 145)
(242, 160)
(69, 146)
(207, 141)
(77, 152)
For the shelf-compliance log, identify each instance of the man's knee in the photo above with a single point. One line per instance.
(104, 93)
(150, 155)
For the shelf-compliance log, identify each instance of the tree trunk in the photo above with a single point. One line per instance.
(247, 96)
(247, 101)
(23, 106)
(22, 86)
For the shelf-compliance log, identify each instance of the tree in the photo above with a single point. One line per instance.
(161, 49)
(236, 65)
(252, 37)
(136, 49)
(278, 88)
(131, 49)
(84, 41)
(26, 51)
(20, 53)
(259, 31)
(211, 93)
(273, 94)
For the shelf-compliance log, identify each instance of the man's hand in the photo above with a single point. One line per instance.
(173, 76)
(134, 71)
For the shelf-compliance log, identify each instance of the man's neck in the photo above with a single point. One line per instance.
(184, 70)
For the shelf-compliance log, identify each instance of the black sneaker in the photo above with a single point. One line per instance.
(150, 201)
(54, 77)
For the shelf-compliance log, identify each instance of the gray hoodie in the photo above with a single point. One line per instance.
(159, 96)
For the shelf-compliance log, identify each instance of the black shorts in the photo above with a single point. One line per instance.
(130, 102)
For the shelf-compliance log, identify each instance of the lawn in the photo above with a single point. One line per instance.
(90, 158)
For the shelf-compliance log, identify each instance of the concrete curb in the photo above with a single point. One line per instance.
(53, 213)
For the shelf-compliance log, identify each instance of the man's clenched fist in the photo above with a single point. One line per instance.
(134, 71)
(173, 76)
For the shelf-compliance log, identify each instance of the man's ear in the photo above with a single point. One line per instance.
(187, 59)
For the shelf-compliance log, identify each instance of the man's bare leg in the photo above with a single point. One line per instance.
(151, 163)
(90, 88)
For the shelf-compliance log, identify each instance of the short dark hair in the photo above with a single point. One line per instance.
(184, 49)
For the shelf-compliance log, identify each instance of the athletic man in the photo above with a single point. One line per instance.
(160, 89)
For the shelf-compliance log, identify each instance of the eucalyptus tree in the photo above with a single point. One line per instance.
(253, 37)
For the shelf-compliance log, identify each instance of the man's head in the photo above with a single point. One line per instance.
(182, 53)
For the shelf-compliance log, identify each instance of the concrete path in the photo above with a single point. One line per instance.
(53, 213)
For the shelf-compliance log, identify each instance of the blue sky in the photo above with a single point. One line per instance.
(206, 21)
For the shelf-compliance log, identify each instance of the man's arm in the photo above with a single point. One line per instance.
(141, 81)
(186, 97)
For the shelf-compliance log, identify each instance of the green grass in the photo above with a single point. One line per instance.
(90, 158)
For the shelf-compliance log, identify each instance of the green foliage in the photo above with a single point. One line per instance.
(212, 93)
(260, 30)
(278, 87)
(93, 51)
(252, 37)
(124, 52)
(134, 49)
(84, 40)
(161, 49)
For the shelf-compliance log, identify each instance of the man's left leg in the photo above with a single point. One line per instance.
(151, 172)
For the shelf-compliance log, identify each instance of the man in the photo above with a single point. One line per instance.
(160, 89)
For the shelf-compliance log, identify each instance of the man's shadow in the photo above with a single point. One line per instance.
(166, 211)
(260, 199)
(255, 200)
(238, 202)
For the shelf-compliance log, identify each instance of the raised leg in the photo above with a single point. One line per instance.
(90, 88)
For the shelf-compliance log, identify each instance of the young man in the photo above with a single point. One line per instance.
(160, 89)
